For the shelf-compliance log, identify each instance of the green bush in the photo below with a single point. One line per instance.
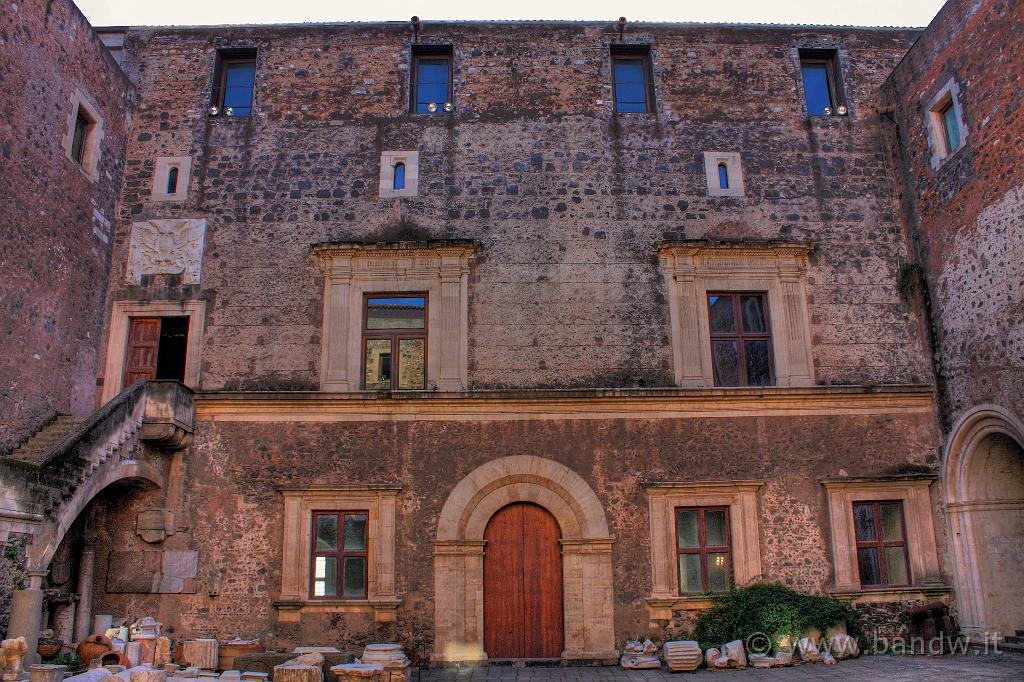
(772, 609)
(68, 658)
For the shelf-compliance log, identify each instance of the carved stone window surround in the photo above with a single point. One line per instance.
(161, 172)
(663, 499)
(441, 269)
(121, 314)
(915, 494)
(693, 268)
(380, 502)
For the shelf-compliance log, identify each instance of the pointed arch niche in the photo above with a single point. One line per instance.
(460, 547)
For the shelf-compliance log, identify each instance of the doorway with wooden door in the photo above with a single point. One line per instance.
(523, 584)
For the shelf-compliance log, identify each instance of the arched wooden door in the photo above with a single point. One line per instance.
(523, 584)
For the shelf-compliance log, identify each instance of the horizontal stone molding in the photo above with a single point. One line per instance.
(671, 403)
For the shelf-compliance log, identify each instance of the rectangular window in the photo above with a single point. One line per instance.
(741, 341)
(234, 80)
(339, 555)
(81, 135)
(631, 67)
(394, 342)
(818, 68)
(950, 127)
(156, 349)
(432, 79)
(702, 543)
(881, 544)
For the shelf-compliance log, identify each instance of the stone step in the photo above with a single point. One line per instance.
(33, 449)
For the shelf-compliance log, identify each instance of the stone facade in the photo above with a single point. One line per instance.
(565, 254)
(57, 216)
(963, 216)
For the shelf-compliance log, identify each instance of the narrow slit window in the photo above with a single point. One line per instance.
(398, 181)
(81, 136)
(723, 176)
(172, 180)
(950, 127)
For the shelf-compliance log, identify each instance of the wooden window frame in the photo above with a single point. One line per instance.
(224, 59)
(740, 336)
(395, 336)
(431, 52)
(830, 59)
(79, 142)
(704, 549)
(643, 55)
(340, 554)
(879, 543)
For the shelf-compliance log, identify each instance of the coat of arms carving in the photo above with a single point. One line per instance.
(167, 247)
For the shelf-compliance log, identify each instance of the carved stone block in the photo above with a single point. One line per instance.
(170, 246)
(201, 653)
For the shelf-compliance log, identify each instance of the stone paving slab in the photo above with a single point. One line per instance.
(968, 668)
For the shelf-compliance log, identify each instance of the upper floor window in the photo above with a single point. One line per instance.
(702, 542)
(172, 180)
(81, 135)
(339, 555)
(821, 82)
(946, 129)
(235, 78)
(631, 68)
(740, 339)
(432, 79)
(881, 543)
(398, 176)
(394, 342)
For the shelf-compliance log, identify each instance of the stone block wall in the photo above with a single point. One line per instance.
(965, 218)
(566, 199)
(56, 219)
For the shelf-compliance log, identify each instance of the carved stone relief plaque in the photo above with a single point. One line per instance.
(170, 246)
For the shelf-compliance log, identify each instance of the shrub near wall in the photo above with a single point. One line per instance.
(773, 610)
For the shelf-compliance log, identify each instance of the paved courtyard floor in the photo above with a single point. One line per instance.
(967, 668)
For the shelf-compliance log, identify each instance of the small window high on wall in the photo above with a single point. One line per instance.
(631, 78)
(822, 91)
(394, 342)
(234, 82)
(432, 79)
(156, 349)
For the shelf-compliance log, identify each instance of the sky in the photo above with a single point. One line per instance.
(855, 12)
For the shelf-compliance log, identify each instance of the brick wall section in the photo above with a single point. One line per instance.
(55, 246)
(566, 199)
(966, 217)
(231, 513)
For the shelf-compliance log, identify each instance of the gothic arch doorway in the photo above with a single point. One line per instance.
(462, 543)
(984, 488)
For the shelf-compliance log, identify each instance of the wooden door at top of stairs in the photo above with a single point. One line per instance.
(523, 584)
(143, 346)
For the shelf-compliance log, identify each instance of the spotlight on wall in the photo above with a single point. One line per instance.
(214, 111)
(828, 111)
(621, 24)
(842, 110)
(432, 107)
(448, 106)
(228, 111)
(415, 23)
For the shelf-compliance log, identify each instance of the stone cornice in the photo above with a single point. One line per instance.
(328, 251)
(665, 403)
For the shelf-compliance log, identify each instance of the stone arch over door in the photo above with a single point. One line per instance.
(983, 486)
(459, 553)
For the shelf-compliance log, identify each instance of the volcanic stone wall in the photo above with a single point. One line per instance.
(965, 218)
(566, 198)
(56, 221)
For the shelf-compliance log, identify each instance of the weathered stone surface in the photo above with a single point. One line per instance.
(201, 653)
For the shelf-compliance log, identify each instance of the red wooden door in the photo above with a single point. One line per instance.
(523, 584)
(143, 342)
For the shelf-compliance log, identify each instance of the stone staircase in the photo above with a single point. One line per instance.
(55, 464)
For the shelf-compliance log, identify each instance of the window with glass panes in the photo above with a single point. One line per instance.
(630, 73)
(741, 341)
(950, 127)
(881, 543)
(431, 85)
(236, 78)
(818, 69)
(339, 555)
(702, 541)
(394, 342)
